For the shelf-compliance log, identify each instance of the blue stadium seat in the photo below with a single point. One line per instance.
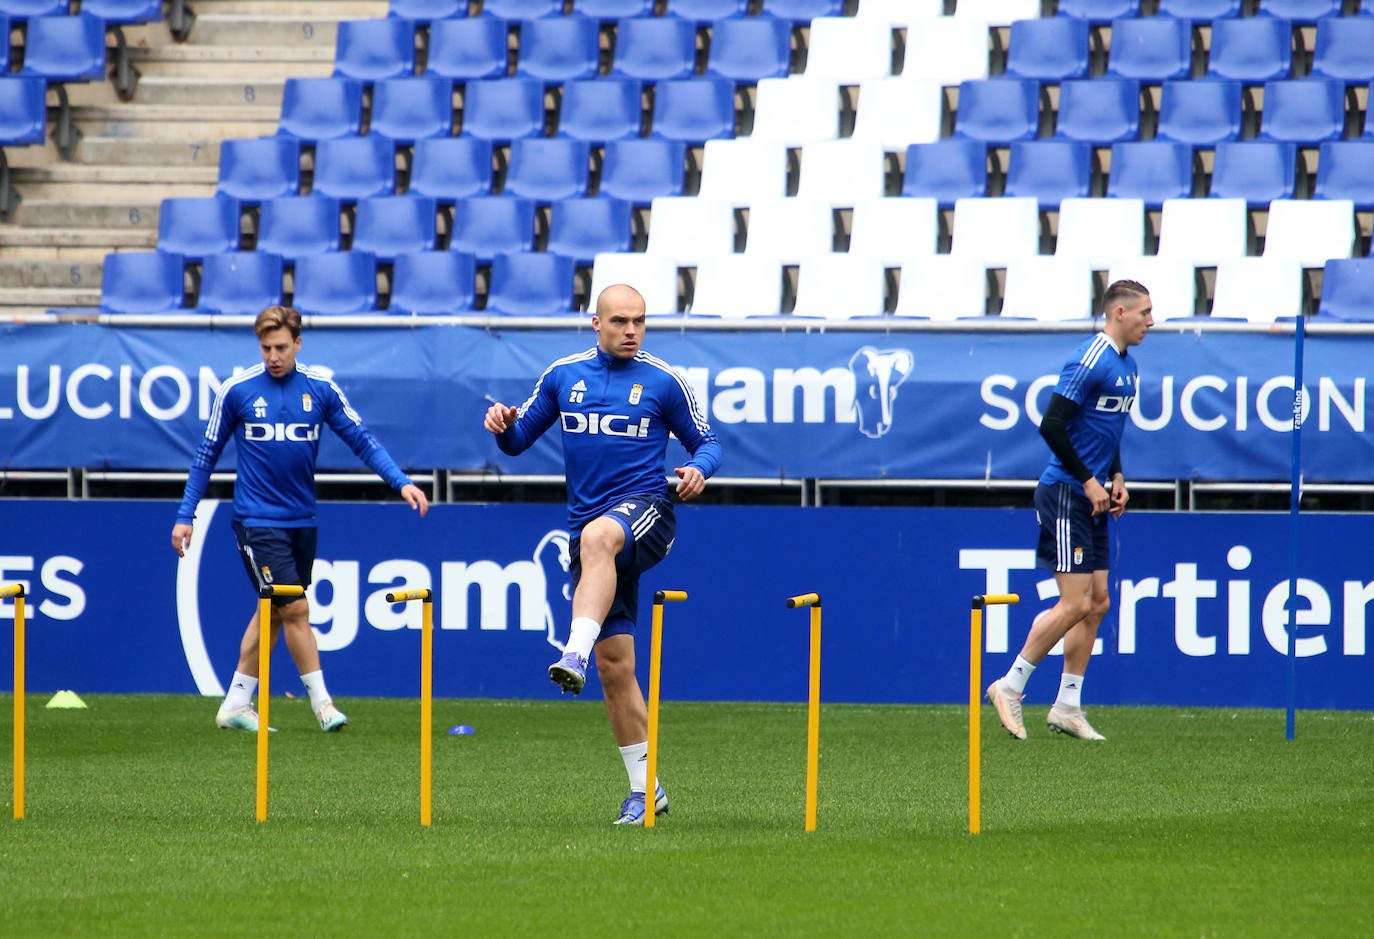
(320, 108)
(255, 169)
(601, 109)
(610, 10)
(433, 283)
(468, 49)
(1100, 111)
(1344, 49)
(1099, 12)
(1203, 10)
(522, 9)
(1049, 170)
(748, 48)
(142, 282)
(654, 48)
(531, 284)
(370, 50)
(353, 168)
(706, 12)
(20, 10)
(694, 110)
(124, 12)
(504, 109)
(1048, 49)
(1348, 289)
(1151, 49)
(23, 110)
(390, 225)
(1345, 170)
(336, 283)
(946, 170)
(582, 228)
(1303, 12)
(802, 12)
(1251, 49)
(295, 226)
(65, 48)
(643, 169)
(427, 11)
(410, 109)
(485, 226)
(194, 227)
(5, 46)
(546, 169)
(239, 283)
(449, 168)
(998, 110)
(1200, 113)
(560, 48)
(1151, 170)
(1304, 111)
(1258, 171)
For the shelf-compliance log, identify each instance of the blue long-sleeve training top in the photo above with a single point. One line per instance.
(1101, 379)
(276, 423)
(616, 415)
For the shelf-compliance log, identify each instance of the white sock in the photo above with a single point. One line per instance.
(319, 694)
(241, 689)
(583, 635)
(1070, 691)
(636, 757)
(1018, 675)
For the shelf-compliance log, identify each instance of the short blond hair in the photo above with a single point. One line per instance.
(278, 317)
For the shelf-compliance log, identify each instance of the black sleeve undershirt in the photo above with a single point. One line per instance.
(1054, 428)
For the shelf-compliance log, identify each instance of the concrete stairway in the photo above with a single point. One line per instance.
(224, 82)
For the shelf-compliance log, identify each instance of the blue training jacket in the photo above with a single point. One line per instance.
(276, 423)
(616, 415)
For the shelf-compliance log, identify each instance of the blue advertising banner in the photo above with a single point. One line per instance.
(784, 405)
(1199, 615)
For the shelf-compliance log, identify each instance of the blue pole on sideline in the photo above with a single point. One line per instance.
(1295, 497)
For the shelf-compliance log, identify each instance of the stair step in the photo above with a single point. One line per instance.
(342, 9)
(131, 151)
(65, 274)
(84, 216)
(50, 297)
(22, 241)
(121, 175)
(235, 29)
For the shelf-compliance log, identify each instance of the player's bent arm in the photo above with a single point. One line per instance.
(1054, 428)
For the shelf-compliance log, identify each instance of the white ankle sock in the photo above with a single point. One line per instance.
(240, 693)
(319, 694)
(1070, 691)
(636, 757)
(1018, 675)
(583, 636)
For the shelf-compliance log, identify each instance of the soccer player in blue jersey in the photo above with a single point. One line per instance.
(274, 413)
(615, 405)
(1083, 426)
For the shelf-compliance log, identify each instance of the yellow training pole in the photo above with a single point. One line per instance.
(17, 591)
(813, 706)
(426, 694)
(265, 594)
(975, 694)
(655, 661)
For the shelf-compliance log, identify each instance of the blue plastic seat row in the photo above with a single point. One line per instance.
(1104, 11)
(794, 11)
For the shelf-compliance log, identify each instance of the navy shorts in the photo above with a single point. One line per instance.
(277, 556)
(650, 527)
(1072, 539)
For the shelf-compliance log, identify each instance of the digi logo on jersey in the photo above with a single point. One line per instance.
(608, 425)
(1116, 404)
(298, 432)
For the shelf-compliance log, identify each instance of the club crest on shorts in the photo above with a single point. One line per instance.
(1077, 556)
(305, 403)
(636, 392)
(266, 574)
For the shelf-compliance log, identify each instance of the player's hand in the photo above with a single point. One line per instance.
(692, 484)
(181, 538)
(499, 419)
(414, 495)
(1097, 496)
(1119, 496)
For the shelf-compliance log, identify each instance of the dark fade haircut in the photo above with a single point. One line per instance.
(278, 317)
(1121, 290)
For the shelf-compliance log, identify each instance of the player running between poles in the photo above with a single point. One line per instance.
(616, 405)
(1083, 426)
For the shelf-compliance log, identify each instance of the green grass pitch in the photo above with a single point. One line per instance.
(1187, 822)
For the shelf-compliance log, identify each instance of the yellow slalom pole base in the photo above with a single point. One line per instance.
(975, 694)
(655, 666)
(265, 595)
(426, 695)
(813, 705)
(17, 591)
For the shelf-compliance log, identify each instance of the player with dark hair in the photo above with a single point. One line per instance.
(274, 412)
(615, 405)
(1083, 426)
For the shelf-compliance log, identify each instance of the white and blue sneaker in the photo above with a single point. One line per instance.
(239, 718)
(331, 718)
(570, 674)
(632, 809)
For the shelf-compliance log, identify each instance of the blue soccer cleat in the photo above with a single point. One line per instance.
(632, 809)
(569, 672)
